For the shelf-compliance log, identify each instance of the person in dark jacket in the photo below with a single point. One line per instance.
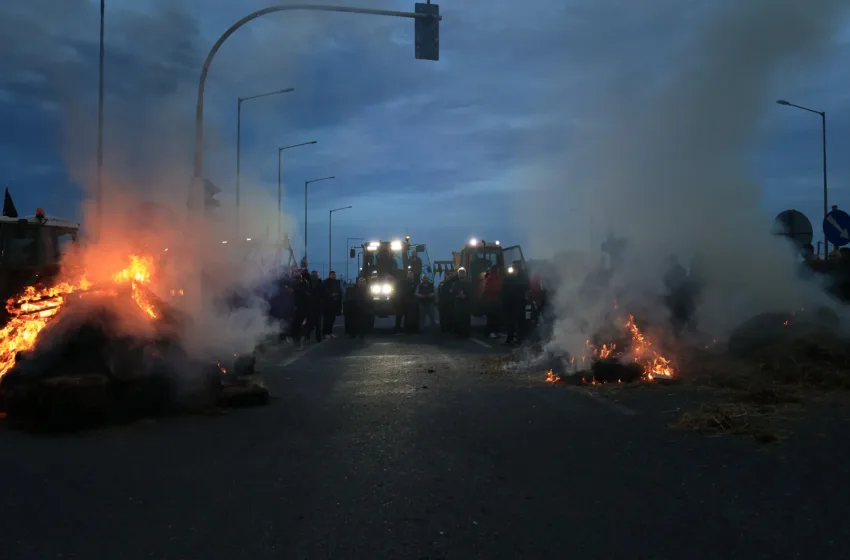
(357, 309)
(405, 299)
(318, 302)
(280, 306)
(445, 303)
(515, 290)
(426, 298)
(462, 304)
(491, 297)
(300, 309)
(333, 303)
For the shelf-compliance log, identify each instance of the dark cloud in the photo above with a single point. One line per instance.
(516, 84)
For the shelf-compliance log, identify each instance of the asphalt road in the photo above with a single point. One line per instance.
(397, 447)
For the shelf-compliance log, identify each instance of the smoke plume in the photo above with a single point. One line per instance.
(153, 61)
(665, 164)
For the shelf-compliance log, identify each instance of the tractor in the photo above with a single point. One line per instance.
(477, 257)
(385, 264)
(30, 250)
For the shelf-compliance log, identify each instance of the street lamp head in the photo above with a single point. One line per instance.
(287, 90)
(782, 102)
(312, 142)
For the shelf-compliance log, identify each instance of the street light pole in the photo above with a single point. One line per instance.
(239, 141)
(99, 179)
(823, 142)
(279, 189)
(306, 184)
(330, 234)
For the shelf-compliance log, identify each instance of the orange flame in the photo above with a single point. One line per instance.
(641, 351)
(552, 377)
(33, 309)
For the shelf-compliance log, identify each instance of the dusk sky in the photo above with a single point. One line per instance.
(440, 150)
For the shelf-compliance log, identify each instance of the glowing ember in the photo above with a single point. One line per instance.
(552, 377)
(594, 382)
(32, 310)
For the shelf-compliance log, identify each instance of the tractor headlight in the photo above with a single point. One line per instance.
(510, 270)
(396, 245)
(384, 289)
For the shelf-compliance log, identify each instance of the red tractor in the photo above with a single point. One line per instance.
(478, 256)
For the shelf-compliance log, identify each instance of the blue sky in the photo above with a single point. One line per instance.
(440, 150)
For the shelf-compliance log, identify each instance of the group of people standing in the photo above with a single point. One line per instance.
(502, 298)
(306, 305)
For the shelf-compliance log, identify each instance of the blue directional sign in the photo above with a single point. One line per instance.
(836, 226)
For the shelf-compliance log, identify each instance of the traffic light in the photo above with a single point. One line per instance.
(210, 192)
(427, 32)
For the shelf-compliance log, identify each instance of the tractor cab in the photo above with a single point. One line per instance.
(393, 259)
(478, 256)
(385, 265)
(31, 248)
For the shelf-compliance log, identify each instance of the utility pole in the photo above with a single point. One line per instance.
(99, 179)
(306, 184)
(330, 235)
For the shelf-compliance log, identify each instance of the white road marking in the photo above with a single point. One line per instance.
(613, 405)
(480, 342)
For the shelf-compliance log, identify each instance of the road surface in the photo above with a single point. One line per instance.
(397, 448)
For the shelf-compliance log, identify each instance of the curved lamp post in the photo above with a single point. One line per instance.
(194, 198)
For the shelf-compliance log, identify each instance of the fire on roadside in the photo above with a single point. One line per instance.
(640, 351)
(35, 307)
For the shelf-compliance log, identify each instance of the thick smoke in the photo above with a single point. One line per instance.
(152, 67)
(666, 165)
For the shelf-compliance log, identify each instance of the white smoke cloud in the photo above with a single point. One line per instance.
(665, 164)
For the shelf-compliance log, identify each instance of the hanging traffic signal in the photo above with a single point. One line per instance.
(427, 32)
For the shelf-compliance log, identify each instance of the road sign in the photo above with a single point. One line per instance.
(795, 225)
(836, 226)
(427, 32)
